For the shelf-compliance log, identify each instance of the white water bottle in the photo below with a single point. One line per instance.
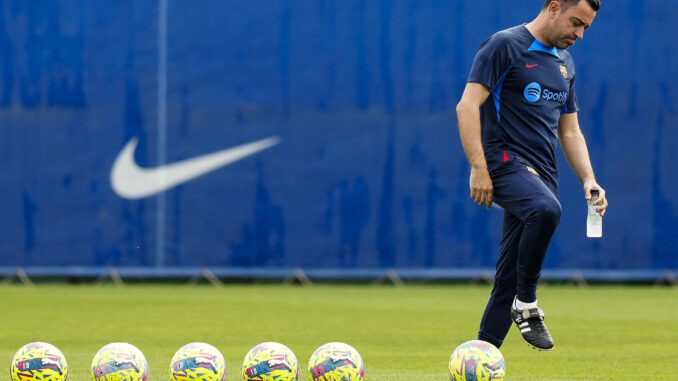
(594, 222)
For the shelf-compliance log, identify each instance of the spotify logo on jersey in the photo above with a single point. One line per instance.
(532, 92)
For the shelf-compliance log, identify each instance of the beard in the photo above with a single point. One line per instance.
(557, 38)
(562, 45)
(564, 42)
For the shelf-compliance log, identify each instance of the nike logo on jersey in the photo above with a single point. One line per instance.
(530, 66)
(132, 182)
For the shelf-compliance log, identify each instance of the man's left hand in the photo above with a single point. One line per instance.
(601, 202)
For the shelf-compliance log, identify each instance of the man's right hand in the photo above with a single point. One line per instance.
(468, 118)
(481, 186)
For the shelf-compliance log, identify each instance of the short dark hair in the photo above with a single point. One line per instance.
(595, 4)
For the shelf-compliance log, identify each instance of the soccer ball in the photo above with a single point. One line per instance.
(478, 361)
(336, 362)
(270, 362)
(39, 361)
(119, 362)
(198, 361)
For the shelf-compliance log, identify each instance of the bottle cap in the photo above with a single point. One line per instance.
(595, 192)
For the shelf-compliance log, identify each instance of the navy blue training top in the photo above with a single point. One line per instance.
(531, 85)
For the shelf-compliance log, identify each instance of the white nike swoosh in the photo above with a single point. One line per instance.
(132, 182)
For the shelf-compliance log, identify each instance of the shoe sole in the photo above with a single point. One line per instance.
(540, 349)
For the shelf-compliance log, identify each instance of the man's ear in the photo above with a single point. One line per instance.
(554, 9)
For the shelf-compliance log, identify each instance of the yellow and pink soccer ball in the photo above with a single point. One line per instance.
(477, 360)
(198, 361)
(270, 362)
(119, 362)
(336, 362)
(40, 362)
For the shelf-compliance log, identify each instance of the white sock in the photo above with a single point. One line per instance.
(521, 305)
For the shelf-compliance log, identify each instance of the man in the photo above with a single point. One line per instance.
(519, 100)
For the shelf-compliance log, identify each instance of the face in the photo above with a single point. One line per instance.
(565, 28)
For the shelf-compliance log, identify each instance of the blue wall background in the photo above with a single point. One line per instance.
(369, 172)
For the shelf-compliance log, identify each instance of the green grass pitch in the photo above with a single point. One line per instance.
(406, 333)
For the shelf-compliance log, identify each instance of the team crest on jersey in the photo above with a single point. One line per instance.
(563, 71)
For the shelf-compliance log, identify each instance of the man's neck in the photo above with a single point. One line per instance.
(537, 27)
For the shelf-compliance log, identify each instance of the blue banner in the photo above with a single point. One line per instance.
(306, 134)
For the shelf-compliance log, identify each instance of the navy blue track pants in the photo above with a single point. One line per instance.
(531, 215)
